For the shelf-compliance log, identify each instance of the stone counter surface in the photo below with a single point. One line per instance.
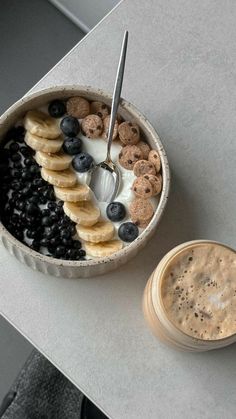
(181, 74)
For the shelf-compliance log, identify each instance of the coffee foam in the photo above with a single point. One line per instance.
(198, 290)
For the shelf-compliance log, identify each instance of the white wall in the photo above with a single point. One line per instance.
(85, 13)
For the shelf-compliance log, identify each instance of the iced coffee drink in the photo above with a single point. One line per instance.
(190, 300)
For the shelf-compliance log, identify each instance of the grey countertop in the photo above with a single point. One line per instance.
(181, 73)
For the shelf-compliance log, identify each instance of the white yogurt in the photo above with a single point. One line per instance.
(98, 149)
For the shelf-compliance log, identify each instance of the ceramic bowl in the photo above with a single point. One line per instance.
(89, 268)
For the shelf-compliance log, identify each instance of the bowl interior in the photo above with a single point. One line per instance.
(128, 112)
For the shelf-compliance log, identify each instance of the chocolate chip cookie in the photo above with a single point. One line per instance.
(142, 188)
(154, 158)
(129, 133)
(129, 155)
(143, 167)
(78, 107)
(92, 126)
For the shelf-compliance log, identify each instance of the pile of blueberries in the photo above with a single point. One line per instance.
(28, 206)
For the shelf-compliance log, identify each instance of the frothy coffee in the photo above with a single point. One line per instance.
(198, 291)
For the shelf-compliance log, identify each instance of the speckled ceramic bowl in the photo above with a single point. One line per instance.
(65, 268)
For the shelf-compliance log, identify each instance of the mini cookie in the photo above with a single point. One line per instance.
(143, 167)
(99, 108)
(106, 123)
(129, 155)
(142, 188)
(154, 158)
(129, 133)
(92, 126)
(156, 182)
(144, 147)
(78, 107)
(141, 211)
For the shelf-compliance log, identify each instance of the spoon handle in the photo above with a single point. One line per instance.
(117, 92)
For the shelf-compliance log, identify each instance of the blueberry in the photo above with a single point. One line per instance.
(26, 151)
(35, 245)
(82, 162)
(17, 165)
(38, 183)
(25, 174)
(54, 229)
(56, 108)
(70, 126)
(72, 230)
(16, 157)
(34, 170)
(20, 205)
(77, 244)
(29, 221)
(81, 253)
(18, 234)
(71, 254)
(51, 249)
(32, 209)
(15, 219)
(16, 186)
(55, 241)
(14, 147)
(50, 195)
(43, 200)
(44, 242)
(60, 251)
(48, 234)
(7, 209)
(26, 191)
(28, 161)
(16, 133)
(45, 212)
(128, 232)
(47, 221)
(116, 211)
(16, 173)
(67, 242)
(32, 234)
(52, 205)
(72, 145)
(65, 233)
(33, 200)
(59, 210)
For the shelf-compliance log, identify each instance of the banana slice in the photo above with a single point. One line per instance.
(76, 193)
(64, 178)
(41, 124)
(84, 213)
(103, 249)
(55, 161)
(99, 232)
(43, 144)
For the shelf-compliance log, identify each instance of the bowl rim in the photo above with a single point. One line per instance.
(129, 107)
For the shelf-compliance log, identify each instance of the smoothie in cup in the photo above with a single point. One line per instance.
(190, 299)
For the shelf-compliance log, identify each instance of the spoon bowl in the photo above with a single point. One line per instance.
(105, 181)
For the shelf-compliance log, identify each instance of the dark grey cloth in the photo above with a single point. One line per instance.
(42, 392)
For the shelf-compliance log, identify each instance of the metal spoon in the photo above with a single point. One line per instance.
(105, 177)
